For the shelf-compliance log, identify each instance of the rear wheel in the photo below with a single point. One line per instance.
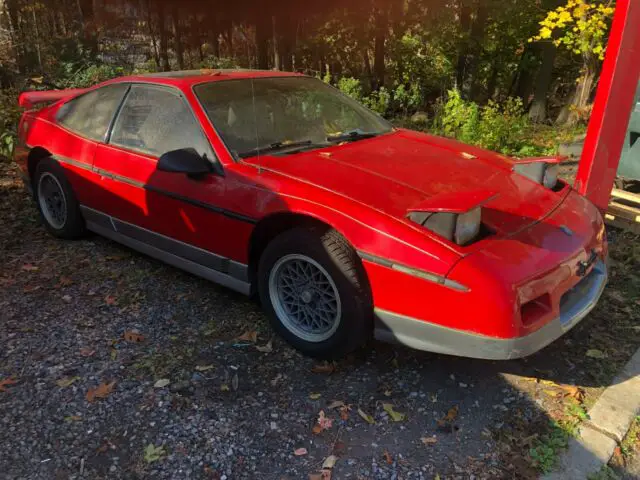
(314, 289)
(58, 206)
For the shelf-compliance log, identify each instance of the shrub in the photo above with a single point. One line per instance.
(351, 86)
(378, 101)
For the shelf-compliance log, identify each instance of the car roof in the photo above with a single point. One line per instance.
(193, 77)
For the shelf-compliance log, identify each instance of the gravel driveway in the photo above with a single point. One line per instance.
(75, 317)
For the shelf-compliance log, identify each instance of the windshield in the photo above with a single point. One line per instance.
(284, 114)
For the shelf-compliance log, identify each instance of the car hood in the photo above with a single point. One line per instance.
(396, 172)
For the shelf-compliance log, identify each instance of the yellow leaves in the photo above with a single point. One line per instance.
(366, 417)
(545, 32)
(565, 17)
(395, 416)
(65, 382)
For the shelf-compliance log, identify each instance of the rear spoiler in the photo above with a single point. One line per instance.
(455, 202)
(33, 98)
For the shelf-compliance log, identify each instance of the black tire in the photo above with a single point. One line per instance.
(73, 225)
(331, 251)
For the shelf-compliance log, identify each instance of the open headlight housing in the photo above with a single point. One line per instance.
(544, 173)
(461, 228)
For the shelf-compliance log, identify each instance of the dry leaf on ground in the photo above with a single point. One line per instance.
(249, 336)
(429, 440)
(300, 451)
(266, 348)
(335, 404)
(28, 267)
(395, 416)
(163, 382)
(366, 417)
(326, 367)
(66, 381)
(101, 391)
(87, 352)
(329, 462)
(595, 353)
(315, 396)
(133, 336)
(387, 457)
(204, 368)
(110, 300)
(6, 381)
(574, 392)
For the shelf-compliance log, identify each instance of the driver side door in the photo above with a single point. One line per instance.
(161, 209)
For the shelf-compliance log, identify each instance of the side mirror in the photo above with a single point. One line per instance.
(185, 160)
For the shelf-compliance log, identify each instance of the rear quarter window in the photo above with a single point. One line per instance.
(90, 114)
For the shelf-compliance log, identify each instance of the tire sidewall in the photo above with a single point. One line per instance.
(74, 225)
(354, 324)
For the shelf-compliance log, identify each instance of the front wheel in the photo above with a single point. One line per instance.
(314, 289)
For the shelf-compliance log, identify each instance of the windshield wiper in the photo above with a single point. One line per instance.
(351, 136)
(276, 147)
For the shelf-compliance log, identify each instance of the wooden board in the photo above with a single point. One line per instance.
(624, 210)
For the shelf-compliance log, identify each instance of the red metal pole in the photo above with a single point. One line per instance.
(612, 107)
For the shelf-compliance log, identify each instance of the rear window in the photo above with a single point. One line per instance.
(90, 114)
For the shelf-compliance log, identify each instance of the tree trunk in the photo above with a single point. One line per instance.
(465, 25)
(276, 53)
(538, 110)
(367, 67)
(178, 36)
(164, 40)
(577, 106)
(381, 24)
(152, 34)
(262, 42)
(476, 39)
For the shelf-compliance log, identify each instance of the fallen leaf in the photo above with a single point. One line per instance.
(300, 451)
(153, 453)
(163, 382)
(395, 416)
(387, 393)
(315, 396)
(87, 352)
(335, 404)
(574, 391)
(266, 348)
(387, 457)
(28, 267)
(451, 414)
(344, 413)
(316, 476)
(234, 382)
(594, 353)
(249, 336)
(64, 282)
(73, 418)
(110, 300)
(329, 462)
(101, 391)
(114, 354)
(324, 422)
(6, 381)
(224, 387)
(66, 298)
(325, 367)
(204, 368)
(133, 336)
(366, 417)
(65, 382)
(429, 440)
(316, 429)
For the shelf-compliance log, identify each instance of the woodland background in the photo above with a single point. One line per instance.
(516, 76)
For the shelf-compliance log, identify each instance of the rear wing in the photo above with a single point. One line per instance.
(34, 98)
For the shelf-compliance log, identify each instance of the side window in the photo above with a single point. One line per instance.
(156, 120)
(90, 114)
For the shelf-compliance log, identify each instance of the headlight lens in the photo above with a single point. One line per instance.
(459, 228)
(468, 226)
(550, 178)
(540, 172)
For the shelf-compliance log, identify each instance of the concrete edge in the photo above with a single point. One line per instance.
(610, 419)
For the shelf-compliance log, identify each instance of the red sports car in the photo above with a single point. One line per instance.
(277, 184)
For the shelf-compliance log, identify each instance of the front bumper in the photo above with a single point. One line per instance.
(575, 304)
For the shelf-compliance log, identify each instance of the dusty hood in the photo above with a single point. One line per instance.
(398, 171)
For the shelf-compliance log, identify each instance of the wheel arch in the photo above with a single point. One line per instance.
(273, 225)
(35, 155)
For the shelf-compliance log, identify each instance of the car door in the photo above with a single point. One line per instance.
(154, 120)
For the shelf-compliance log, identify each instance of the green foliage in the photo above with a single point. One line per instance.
(378, 101)
(8, 122)
(499, 127)
(352, 87)
(92, 74)
(545, 453)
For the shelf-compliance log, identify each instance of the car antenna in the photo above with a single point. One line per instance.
(255, 120)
